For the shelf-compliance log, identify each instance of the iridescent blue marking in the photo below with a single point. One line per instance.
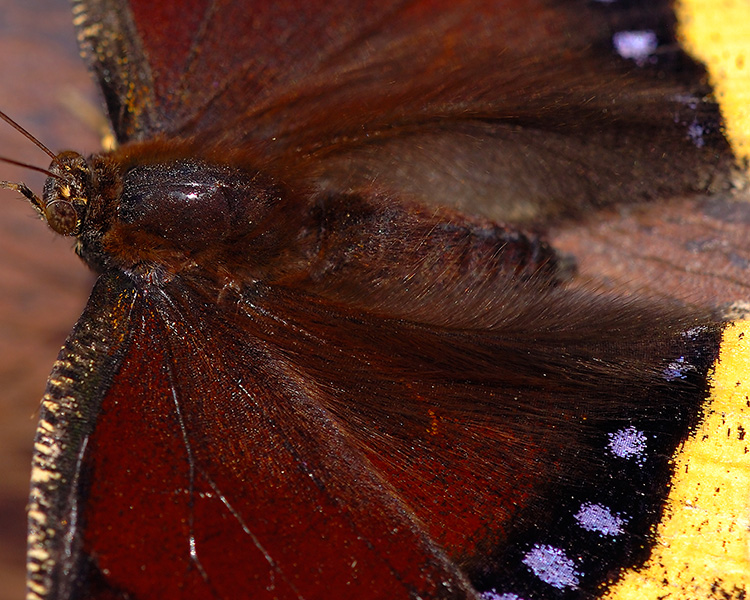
(495, 595)
(552, 566)
(694, 332)
(635, 45)
(598, 518)
(677, 369)
(695, 133)
(628, 443)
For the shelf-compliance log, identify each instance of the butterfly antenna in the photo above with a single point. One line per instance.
(22, 188)
(29, 137)
(10, 161)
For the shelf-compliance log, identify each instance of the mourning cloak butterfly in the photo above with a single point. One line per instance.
(309, 368)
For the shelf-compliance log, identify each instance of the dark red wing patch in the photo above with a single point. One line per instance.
(211, 471)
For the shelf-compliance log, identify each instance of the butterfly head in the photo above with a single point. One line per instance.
(66, 193)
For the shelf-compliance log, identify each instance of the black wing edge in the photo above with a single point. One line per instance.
(79, 380)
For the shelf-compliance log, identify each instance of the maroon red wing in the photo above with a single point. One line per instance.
(213, 471)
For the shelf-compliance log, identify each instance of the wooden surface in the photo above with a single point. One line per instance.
(43, 285)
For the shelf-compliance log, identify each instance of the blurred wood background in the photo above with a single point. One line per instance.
(695, 249)
(43, 285)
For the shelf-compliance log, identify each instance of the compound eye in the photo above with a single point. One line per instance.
(62, 217)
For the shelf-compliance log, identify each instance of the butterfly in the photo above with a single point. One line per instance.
(304, 371)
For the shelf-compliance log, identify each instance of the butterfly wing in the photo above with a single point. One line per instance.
(155, 509)
(304, 437)
(517, 109)
(390, 434)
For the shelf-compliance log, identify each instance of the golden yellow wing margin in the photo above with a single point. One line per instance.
(703, 542)
(718, 34)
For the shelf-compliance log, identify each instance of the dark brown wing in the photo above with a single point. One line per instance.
(515, 109)
(292, 440)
